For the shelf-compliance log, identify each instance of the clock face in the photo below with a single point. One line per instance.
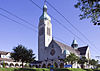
(52, 52)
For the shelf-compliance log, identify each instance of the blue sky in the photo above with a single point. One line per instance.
(12, 34)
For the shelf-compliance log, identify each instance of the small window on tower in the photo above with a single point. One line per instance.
(41, 31)
(48, 31)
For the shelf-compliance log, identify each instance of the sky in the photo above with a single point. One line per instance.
(12, 34)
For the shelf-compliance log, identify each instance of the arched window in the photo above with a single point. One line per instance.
(43, 66)
(41, 31)
(61, 65)
(48, 31)
(49, 65)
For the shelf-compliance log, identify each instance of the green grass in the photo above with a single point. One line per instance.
(73, 69)
(7, 69)
(24, 69)
(76, 69)
(45, 69)
(69, 69)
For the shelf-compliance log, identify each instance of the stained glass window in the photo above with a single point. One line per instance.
(41, 31)
(48, 31)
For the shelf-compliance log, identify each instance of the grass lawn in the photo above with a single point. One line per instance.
(24, 69)
(45, 69)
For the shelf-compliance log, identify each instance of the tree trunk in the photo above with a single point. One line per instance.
(82, 66)
(72, 65)
(22, 65)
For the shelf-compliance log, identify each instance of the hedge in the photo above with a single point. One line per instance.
(7, 69)
(73, 69)
(24, 69)
(44, 69)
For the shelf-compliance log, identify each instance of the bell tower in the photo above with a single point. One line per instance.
(74, 44)
(44, 32)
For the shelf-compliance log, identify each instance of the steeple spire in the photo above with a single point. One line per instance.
(44, 15)
(45, 2)
(74, 44)
(45, 7)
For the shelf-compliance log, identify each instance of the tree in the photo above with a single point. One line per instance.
(89, 9)
(82, 61)
(20, 53)
(4, 64)
(93, 62)
(72, 58)
(98, 66)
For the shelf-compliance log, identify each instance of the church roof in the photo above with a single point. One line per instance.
(5, 59)
(3, 52)
(83, 50)
(66, 47)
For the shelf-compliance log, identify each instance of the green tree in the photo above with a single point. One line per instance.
(20, 53)
(98, 66)
(4, 64)
(82, 61)
(89, 9)
(93, 62)
(72, 58)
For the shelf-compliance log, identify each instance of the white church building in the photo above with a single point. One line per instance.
(52, 52)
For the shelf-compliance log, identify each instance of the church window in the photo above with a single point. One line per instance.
(52, 46)
(52, 52)
(41, 22)
(48, 31)
(41, 32)
(48, 24)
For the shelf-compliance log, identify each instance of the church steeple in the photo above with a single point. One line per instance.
(44, 32)
(44, 15)
(74, 44)
(45, 8)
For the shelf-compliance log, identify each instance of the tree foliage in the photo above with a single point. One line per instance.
(82, 60)
(22, 54)
(93, 62)
(72, 58)
(98, 66)
(89, 9)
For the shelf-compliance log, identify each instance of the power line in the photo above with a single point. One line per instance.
(30, 23)
(17, 22)
(62, 24)
(57, 21)
(71, 24)
(67, 29)
(35, 4)
(18, 17)
(24, 25)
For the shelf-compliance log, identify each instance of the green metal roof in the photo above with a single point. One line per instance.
(44, 15)
(74, 42)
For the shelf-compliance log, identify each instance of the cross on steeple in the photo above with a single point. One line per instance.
(45, 1)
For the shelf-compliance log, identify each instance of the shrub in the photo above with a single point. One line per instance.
(59, 69)
(24, 69)
(89, 70)
(75, 69)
